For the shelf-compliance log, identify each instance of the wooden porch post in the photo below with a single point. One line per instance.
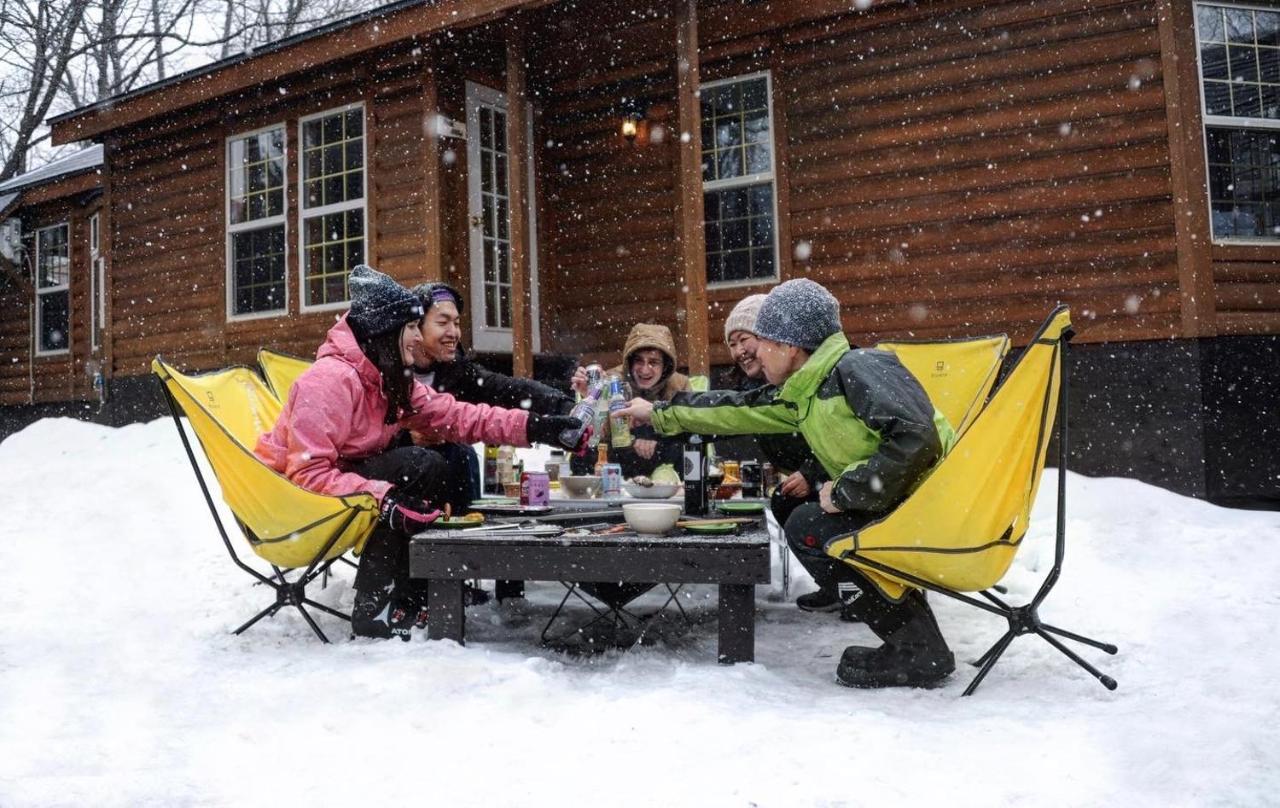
(432, 237)
(517, 184)
(692, 301)
(1192, 228)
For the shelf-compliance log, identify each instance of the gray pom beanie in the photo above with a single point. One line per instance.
(378, 304)
(743, 316)
(799, 312)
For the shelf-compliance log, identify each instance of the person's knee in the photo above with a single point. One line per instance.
(804, 529)
(419, 469)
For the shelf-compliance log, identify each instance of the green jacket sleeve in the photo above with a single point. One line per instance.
(888, 399)
(725, 412)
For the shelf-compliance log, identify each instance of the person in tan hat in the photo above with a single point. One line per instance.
(649, 367)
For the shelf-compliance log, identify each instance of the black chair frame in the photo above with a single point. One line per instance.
(288, 592)
(1024, 619)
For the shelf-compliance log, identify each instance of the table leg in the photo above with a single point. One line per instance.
(737, 623)
(446, 616)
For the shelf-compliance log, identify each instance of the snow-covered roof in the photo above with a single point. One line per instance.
(6, 200)
(83, 160)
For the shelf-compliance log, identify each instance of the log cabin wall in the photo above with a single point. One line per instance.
(25, 376)
(170, 242)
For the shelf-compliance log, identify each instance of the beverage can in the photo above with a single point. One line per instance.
(611, 480)
(595, 375)
(535, 488)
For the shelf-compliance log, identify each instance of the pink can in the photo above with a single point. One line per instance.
(535, 488)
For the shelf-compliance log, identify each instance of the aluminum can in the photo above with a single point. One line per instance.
(611, 480)
(535, 488)
(595, 375)
(752, 479)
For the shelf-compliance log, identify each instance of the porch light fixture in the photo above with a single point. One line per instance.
(632, 117)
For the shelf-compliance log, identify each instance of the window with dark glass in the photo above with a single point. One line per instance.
(333, 238)
(256, 222)
(1239, 50)
(738, 180)
(53, 289)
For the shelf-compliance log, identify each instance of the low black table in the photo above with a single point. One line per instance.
(736, 563)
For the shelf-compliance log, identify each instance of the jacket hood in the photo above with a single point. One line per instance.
(649, 335)
(340, 343)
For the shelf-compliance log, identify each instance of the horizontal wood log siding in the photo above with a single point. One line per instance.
(169, 291)
(28, 379)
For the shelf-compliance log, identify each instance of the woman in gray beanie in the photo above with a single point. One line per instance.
(875, 432)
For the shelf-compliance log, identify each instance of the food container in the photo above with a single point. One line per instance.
(651, 517)
(655, 491)
(580, 486)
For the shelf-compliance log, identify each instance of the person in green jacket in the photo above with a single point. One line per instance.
(875, 432)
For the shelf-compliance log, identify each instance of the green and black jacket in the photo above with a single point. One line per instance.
(866, 418)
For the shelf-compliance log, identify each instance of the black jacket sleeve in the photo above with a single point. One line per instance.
(887, 398)
(467, 381)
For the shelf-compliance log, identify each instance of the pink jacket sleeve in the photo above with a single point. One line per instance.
(319, 424)
(444, 419)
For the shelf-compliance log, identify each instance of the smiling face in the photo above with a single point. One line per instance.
(646, 368)
(742, 349)
(440, 335)
(779, 360)
(410, 342)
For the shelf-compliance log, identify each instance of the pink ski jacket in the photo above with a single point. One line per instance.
(336, 415)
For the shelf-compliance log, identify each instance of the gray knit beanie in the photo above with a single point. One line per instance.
(743, 316)
(798, 312)
(379, 304)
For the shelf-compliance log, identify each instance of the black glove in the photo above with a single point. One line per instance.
(550, 429)
(406, 514)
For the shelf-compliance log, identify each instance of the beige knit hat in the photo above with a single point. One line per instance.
(743, 316)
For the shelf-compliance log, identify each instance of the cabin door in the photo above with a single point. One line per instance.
(489, 218)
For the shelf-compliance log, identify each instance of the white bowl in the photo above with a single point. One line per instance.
(651, 517)
(655, 491)
(580, 486)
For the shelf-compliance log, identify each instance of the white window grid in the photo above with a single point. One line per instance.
(248, 224)
(63, 287)
(752, 179)
(325, 211)
(1237, 122)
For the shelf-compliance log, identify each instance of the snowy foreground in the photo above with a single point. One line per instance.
(120, 683)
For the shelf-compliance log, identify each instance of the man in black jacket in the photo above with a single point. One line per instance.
(443, 365)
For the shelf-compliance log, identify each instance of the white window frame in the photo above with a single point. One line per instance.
(1226, 121)
(97, 282)
(66, 287)
(305, 213)
(254, 224)
(750, 179)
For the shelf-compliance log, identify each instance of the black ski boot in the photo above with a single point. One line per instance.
(914, 653)
(826, 599)
(376, 615)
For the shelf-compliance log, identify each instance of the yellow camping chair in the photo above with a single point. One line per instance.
(957, 374)
(281, 370)
(287, 526)
(960, 529)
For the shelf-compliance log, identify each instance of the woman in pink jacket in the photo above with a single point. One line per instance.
(336, 432)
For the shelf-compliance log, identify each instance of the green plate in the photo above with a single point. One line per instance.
(713, 528)
(741, 507)
(453, 523)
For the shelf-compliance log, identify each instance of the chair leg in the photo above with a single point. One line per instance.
(326, 609)
(267, 612)
(1107, 681)
(311, 623)
(1101, 646)
(990, 658)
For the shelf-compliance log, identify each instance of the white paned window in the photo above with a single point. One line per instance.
(1239, 50)
(256, 203)
(53, 290)
(739, 188)
(333, 204)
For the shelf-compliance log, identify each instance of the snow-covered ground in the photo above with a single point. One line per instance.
(120, 683)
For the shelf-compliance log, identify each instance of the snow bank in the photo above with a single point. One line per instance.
(120, 683)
